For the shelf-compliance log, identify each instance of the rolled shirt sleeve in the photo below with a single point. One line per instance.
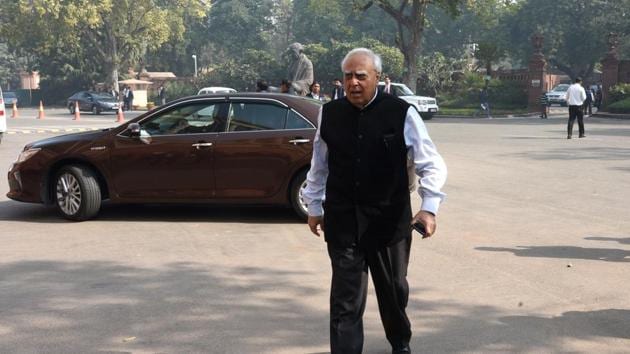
(429, 165)
(315, 190)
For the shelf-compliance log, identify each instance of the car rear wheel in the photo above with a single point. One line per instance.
(77, 193)
(1, 134)
(297, 189)
(96, 110)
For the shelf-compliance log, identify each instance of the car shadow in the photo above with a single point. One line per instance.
(16, 211)
(100, 306)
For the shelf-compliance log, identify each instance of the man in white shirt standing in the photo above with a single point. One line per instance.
(575, 99)
(358, 183)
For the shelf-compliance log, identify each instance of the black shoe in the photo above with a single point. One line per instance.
(568, 136)
(402, 350)
(582, 136)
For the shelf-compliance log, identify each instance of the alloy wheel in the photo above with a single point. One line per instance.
(68, 194)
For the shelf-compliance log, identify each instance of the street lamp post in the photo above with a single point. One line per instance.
(194, 56)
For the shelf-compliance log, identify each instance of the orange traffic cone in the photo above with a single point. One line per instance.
(77, 113)
(120, 118)
(41, 114)
(15, 113)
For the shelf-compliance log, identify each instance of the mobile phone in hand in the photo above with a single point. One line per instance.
(420, 228)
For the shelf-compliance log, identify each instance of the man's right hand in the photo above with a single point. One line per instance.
(313, 222)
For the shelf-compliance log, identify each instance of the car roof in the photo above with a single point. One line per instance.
(304, 105)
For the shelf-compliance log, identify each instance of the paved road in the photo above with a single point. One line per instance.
(532, 255)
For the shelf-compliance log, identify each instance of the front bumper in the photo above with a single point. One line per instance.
(24, 185)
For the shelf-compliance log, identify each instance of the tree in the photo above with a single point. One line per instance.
(117, 33)
(410, 17)
(575, 39)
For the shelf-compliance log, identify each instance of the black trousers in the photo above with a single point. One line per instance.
(388, 267)
(575, 112)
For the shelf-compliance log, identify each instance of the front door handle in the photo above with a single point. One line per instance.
(199, 146)
(299, 141)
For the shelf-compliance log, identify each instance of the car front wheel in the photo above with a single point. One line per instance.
(77, 193)
(96, 109)
(297, 189)
(71, 108)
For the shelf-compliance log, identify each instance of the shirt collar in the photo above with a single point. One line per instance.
(372, 100)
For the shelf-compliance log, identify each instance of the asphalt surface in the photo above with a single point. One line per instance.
(532, 255)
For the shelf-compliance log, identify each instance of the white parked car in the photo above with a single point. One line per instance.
(215, 89)
(426, 106)
(3, 116)
(558, 95)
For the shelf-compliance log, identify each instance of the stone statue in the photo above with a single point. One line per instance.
(300, 72)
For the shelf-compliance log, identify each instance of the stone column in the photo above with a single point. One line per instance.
(610, 67)
(537, 70)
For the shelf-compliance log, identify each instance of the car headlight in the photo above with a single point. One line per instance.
(27, 154)
(423, 102)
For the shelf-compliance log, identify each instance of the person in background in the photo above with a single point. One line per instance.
(315, 92)
(388, 88)
(588, 103)
(359, 167)
(337, 91)
(575, 97)
(543, 100)
(162, 94)
(285, 86)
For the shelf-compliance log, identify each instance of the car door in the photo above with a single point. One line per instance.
(85, 103)
(172, 159)
(264, 140)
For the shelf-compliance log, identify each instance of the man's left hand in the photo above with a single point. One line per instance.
(428, 220)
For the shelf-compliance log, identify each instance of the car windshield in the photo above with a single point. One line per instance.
(403, 90)
(102, 96)
(561, 88)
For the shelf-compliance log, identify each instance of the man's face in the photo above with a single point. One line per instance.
(316, 88)
(387, 81)
(360, 80)
(337, 83)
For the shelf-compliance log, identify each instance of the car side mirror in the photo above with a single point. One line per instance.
(134, 130)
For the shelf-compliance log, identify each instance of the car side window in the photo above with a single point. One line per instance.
(295, 121)
(245, 116)
(188, 119)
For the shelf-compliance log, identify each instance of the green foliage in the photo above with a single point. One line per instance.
(179, 89)
(619, 92)
(436, 73)
(622, 106)
(465, 93)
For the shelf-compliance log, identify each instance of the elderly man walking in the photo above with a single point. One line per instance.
(359, 167)
(575, 99)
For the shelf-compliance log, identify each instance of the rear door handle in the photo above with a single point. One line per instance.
(299, 141)
(200, 146)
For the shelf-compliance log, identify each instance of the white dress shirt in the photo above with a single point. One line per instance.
(429, 166)
(575, 95)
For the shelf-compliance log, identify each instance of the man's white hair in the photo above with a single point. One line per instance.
(376, 60)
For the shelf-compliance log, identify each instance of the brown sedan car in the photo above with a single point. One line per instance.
(239, 148)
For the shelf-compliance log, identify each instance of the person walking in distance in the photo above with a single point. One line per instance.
(543, 100)
(359, 167)
(575, 97)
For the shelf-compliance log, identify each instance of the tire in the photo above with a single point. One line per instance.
(76, 193)
(1, 134)
(71, 108)
(297, 186)
(96, 110)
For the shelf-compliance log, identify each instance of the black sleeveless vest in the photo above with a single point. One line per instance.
(367, 190)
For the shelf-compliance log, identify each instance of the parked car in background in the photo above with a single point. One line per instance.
(426, 106)
(3, 116)
(95, 102)
(10, 98)
(215, 89)
(558, 95)
(243, 148)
